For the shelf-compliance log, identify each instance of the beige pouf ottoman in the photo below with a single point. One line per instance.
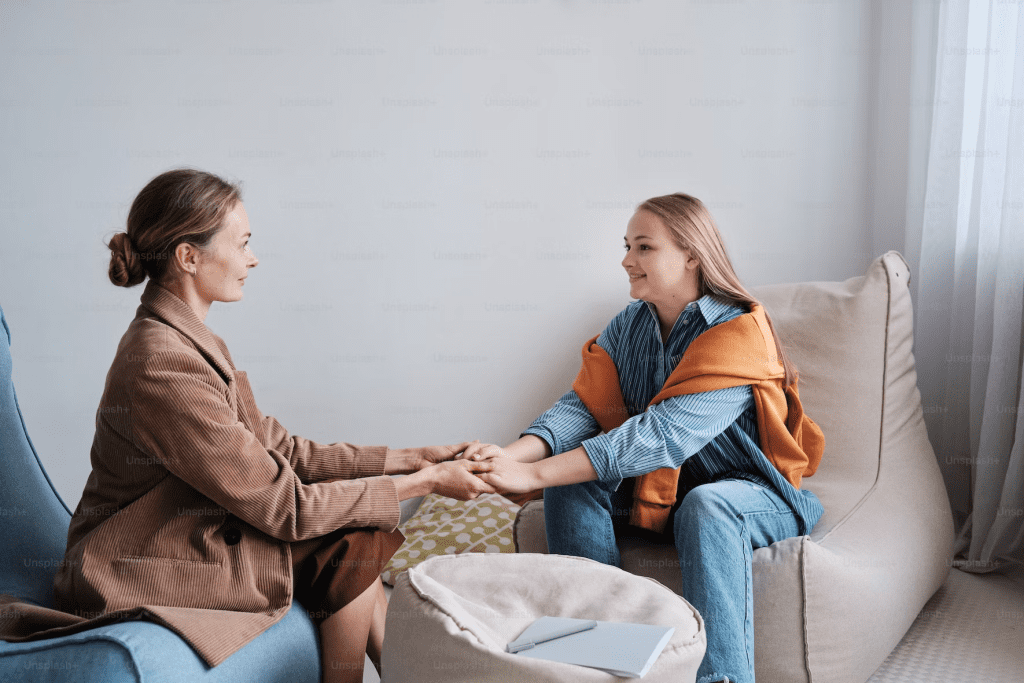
(450, 618)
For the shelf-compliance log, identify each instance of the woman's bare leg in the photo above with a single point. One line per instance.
(375, 640)
(344, 634)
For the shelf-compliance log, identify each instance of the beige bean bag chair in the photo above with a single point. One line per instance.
(831, 606)
(450, 618)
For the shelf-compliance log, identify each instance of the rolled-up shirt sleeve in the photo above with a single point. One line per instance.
(181, 417)
(665, 434)
(565, 425)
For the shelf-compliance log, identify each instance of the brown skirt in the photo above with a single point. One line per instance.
(332, 570)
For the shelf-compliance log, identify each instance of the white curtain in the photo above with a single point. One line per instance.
(965, 240)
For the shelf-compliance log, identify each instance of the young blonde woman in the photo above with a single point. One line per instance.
(685, 422)
(200, 512)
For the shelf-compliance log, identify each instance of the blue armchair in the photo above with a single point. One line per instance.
(33, 533)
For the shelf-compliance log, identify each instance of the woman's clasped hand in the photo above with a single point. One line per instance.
(500, 469)
(435, 469)
(461, 479)
(465, 470)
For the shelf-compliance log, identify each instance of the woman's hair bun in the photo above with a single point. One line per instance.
(125, 264)
(180, 205)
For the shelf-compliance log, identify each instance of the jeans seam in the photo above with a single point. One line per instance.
(768, 512)
(612, 543)
(748, 598)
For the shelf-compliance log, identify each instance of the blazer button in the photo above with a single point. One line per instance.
(232, 536)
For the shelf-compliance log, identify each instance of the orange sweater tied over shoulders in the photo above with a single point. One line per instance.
(734, 353)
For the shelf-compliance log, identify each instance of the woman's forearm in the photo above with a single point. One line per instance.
(528, 448)
(452, 479)
(413, 485)
(571, 467)
(401, 461)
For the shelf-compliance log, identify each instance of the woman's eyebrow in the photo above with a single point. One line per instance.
(639, 237)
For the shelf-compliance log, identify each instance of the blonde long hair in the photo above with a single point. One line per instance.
(694, 229)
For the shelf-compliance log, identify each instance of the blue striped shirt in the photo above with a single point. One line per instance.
(711, 435)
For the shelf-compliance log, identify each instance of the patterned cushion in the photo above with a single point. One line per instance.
(445, 526)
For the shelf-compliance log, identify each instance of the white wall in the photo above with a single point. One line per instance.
(437, 190)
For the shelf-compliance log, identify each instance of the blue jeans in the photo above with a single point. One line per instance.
(716, 528)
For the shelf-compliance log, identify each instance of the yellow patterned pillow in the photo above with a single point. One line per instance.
(445, 526)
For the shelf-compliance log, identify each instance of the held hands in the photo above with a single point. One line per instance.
(502, 470)
(430, 469)
(509, 476)
(431, 455)
(457, 479)
(465, 470)
(481, 451)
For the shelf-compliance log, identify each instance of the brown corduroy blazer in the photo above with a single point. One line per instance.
(195, 495)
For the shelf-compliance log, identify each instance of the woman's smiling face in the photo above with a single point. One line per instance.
(659, 270)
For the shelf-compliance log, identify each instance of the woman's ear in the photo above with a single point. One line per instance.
(185, 256)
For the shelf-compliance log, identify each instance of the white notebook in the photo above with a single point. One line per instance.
(621, 649)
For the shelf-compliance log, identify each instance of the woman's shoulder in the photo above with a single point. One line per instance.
(148, 338)
(153, 335)
(717, 311)
(624, 321)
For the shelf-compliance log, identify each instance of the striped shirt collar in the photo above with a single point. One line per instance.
(710, 308)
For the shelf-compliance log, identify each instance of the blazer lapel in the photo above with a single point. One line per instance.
(179, 315)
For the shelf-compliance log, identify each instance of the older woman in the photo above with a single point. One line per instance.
(201, 512)
(688, 399)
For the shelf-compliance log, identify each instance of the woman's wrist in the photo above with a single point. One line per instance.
(401, 461)
(414, 485)
(571, 467)
(537, 475)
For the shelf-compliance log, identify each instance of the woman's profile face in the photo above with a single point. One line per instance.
(225, 263)
(659, 270)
